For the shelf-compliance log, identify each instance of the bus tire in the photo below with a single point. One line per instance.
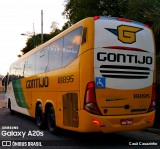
(9, 106)
(51, 121)
(40, 117)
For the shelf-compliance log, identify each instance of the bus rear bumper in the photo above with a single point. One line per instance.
(109, 124)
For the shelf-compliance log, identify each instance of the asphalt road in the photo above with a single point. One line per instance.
(27, 131)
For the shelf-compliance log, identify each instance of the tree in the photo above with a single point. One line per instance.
(78, 10)
(54, 26)
(30, 42)
(146, 11)
(66, 25)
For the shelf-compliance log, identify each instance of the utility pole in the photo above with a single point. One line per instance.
(41, 26)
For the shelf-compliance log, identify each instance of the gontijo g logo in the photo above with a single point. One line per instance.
(126, 34)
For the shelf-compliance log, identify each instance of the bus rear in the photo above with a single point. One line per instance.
(122, 95)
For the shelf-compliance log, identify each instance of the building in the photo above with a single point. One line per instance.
(1, 87)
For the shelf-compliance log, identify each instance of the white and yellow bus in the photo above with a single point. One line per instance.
(96, 76)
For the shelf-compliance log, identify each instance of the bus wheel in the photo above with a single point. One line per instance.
(9, 106)
(51, 121)
(39, 117)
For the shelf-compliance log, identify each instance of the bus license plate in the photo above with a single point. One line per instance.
(126, 121)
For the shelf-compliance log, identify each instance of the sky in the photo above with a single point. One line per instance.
(17, 17)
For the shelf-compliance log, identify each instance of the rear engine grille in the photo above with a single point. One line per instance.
(124, 72)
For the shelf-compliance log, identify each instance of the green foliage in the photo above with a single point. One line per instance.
(36, 41)
(76, 10)
(148, 12)
(66, 25)
(143, 10)
(29, 45)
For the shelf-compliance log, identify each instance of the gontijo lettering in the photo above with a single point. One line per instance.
(124, 58)
(37, 83)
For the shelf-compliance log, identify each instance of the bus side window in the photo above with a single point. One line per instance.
(55, 55)
(12, 74)
(30, 65)
(72, 42)
(21, 69)
(17, 71)
(41, 61)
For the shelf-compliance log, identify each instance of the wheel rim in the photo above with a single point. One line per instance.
(39, 119)
(51, 119)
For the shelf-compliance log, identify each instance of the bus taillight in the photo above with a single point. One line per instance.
(147, 26)
(153, 100)
(123, 19)
(96, 17)
(90, 103)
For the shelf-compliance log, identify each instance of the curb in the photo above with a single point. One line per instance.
(153, 130)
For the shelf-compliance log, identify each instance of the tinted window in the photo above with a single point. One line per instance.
(20, 69)
(41, 61)
(72, 43)
(30, 65)
(13, 69)
(12, 75)
(55, 54)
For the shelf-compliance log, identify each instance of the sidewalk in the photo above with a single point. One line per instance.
(3, 104)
